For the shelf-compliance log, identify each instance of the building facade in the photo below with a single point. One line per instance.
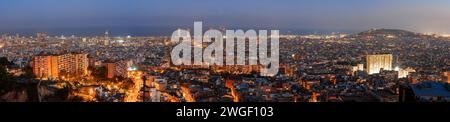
(55, 66)
(118, 68)
(377, 62)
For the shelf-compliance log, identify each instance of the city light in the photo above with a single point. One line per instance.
(396, 68)
(289, 63)
(120, 41)
(224, 59)
(133, 68)
(445, 35)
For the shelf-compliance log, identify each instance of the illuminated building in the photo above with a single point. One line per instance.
(52, 66)
(160, 84)
(46, 67)
(354, 69)
(73, 63)
(377, 62)
(360, 67)
(106, 38)
(403, 73)
(447, 75)
(187, 94)
(288, 70)
(314, 97)
(110, 70)
(119, 68)
(230, 84)
(155, 95)
(2, 44)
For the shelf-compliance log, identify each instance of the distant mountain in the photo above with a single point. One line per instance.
(386, 32)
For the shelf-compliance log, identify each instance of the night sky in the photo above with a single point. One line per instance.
(161, 16)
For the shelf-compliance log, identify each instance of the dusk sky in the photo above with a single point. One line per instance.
(326, 15)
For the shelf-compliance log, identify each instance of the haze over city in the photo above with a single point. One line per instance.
(161, 17)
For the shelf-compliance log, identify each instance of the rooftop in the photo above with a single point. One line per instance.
(431, 88)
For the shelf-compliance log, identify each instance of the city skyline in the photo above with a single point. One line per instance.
(110, 51)
(224, 59)
(87, 17)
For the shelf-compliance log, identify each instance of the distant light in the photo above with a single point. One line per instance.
(120, 41)
(445, 35)
(132, 68)
(397, 69)
(128, 36)
(390, 36)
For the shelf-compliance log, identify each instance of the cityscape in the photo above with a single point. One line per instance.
(378, 65)
(387, 64)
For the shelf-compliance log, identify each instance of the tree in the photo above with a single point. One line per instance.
(28, 72)
(4, 61)
(4, 76)
(63, 93)
(6, 83)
